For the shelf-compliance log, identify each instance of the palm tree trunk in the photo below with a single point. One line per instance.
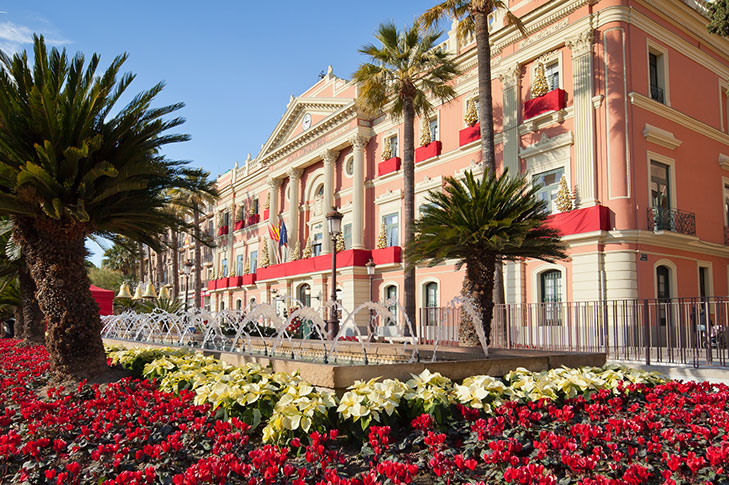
(198, 262)
(160, 269)
(408, 170)
(141, 263)
(33, 331)
(480, 278)
(486, 118)
(19, 327)
(56, 260)
(175, 266)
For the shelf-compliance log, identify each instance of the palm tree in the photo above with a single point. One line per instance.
(121, 256)
(191, 200)
(73, 165)
(475, 221)
(404, 71)
(473, 19)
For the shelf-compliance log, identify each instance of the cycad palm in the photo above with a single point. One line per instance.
(72, 164)
(404, 71)
(475, 221)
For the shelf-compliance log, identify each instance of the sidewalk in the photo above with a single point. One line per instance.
(683, 372)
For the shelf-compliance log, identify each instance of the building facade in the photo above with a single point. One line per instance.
(635, 117)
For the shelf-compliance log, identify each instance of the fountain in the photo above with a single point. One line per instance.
(261, 333)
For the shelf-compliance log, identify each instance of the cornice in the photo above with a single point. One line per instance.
(677, 117)
(534, 21)
(327, 124)
(661, 137)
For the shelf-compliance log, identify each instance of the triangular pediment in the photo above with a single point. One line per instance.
(291, 126)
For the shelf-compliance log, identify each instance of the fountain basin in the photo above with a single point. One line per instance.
(455, 363)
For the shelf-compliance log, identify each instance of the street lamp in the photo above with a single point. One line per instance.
(334, 223)
(187, 268)
(371, 325)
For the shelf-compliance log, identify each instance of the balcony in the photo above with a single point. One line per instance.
(656, 93)
(674, 220)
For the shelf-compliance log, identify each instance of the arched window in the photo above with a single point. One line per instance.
(252, 301)
(550, 286)
(238, 304)
(430, 312)
(305, 294)
(222, 305)
(391, 294)
(431, 294)
(663, 282)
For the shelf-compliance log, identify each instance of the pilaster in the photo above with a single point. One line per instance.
(584, 117)
(510, 80)
(330, 159)
(358, 206)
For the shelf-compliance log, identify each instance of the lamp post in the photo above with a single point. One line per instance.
(187, 268)
(371, 324)
(334, 223)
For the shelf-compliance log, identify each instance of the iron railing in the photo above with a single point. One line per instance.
(681, 331)
(676, 331)
(656, 93)
(674, 220)
(438, 324)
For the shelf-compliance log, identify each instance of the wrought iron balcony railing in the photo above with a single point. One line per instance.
(657, 93)
(662, 219)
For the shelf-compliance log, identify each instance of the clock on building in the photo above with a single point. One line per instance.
(306, 122)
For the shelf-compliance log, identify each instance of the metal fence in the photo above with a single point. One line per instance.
(688, 331)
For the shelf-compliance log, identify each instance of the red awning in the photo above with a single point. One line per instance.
(104, 298)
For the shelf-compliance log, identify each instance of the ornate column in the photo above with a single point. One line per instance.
(293, 227)
(273, 186)
(584, 177)
(358, 144)
(330, 159)
(510, 80)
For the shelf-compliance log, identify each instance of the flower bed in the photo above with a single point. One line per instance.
(589, 426)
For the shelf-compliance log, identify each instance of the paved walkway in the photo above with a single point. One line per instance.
(686, 373)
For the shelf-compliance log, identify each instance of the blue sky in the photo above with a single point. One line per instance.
(233, 63)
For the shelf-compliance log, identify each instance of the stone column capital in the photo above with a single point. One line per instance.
(294, 173)
(329, 157)
(510, 76)
(273, 183)
(581, 43)
(358, 141)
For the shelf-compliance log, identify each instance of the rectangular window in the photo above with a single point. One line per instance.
(660, 186)
(657, 75)
(392, 229)
(347, 235)
(434, 134)
(726, 205)
(549, 182)
(239, 265)
(225, 268)
(226, 218)
(393, 145)
(317, 241)
(254, 205)
(210, 228)
(551, 72)
(254, 261)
